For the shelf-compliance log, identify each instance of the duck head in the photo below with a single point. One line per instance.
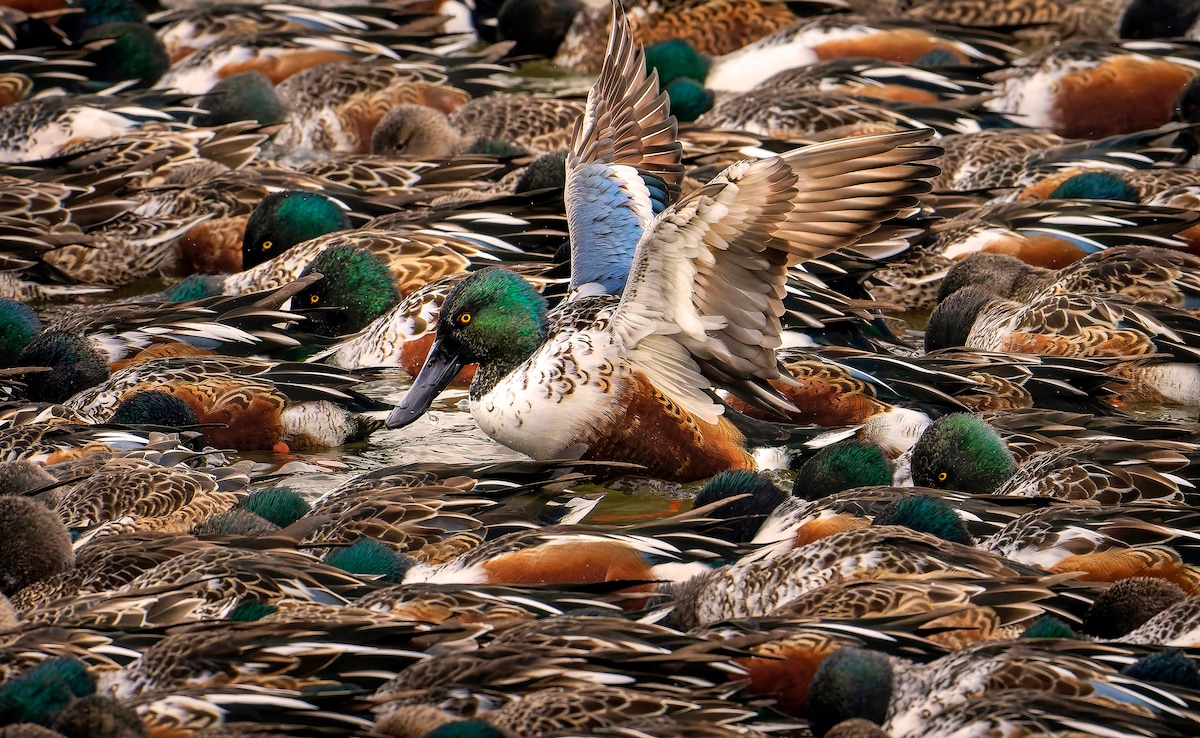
(492, 318)
(283, 219)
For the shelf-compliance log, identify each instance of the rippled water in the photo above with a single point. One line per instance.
(448, 434)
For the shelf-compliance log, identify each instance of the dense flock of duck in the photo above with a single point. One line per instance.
(909, 289)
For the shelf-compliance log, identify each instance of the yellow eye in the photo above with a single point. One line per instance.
(464, 318)
(314, 299)
(267, 245)
(942, 477)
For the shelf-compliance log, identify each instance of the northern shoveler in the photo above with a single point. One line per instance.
(1083, 325)
(1143, 273)
(154, 494)
(251, 404)
(534, 125)
(710, 27)
(646, 355)
(911, 699)
(757, 588)
(337, 106)
(812, 40)
(1085, 89)
(655, 336)
(37, 546)
(961, 451)
(355, 288)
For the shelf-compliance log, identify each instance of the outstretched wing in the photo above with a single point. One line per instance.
(705, 293)
(624, 166)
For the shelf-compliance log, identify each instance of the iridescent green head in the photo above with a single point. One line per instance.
(194, 287)
(368, 556)
(18, 326)
(280, 505)
(676, 58)
(356, 288)
(125, 51)
(1171, 667)
(1048, 626)
(493, 318)
(961, 452)
(926, 514)
(284, 219)
(744, 516)
(39, 694)
(243, 96)
(689, 99)
(1095, 186)
(93, 13)
(491, 313)
(845, 465)
(849, 683)
(75, 365)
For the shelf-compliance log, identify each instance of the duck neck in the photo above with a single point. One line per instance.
(506, 358)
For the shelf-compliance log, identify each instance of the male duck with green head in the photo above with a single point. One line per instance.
(628, 378)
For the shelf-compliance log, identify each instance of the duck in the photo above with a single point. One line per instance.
(535, 125)
(533, 654)
(82, 348)
(465, 342)
(278, 55)
(1091, 326)
(336, 106)
(1051, 234)
(1044, 23)
(186, 30)
(1175, 626)
(810, 40)
(1104, 543)
(355, 288)
(1129, 185)
(288, 229)
(307, 407)
(1143, 273)
(712, 28)
(38, 128)
(759, 587)
(965, 154)
(961, 451)
(1090, 96)
(502, 296)
(911, 699)
(973, 610)
(771, 110)
(998, 159)
(147, 492)
(265, 652)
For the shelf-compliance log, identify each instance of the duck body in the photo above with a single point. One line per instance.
(617, 412)
(638, 371)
